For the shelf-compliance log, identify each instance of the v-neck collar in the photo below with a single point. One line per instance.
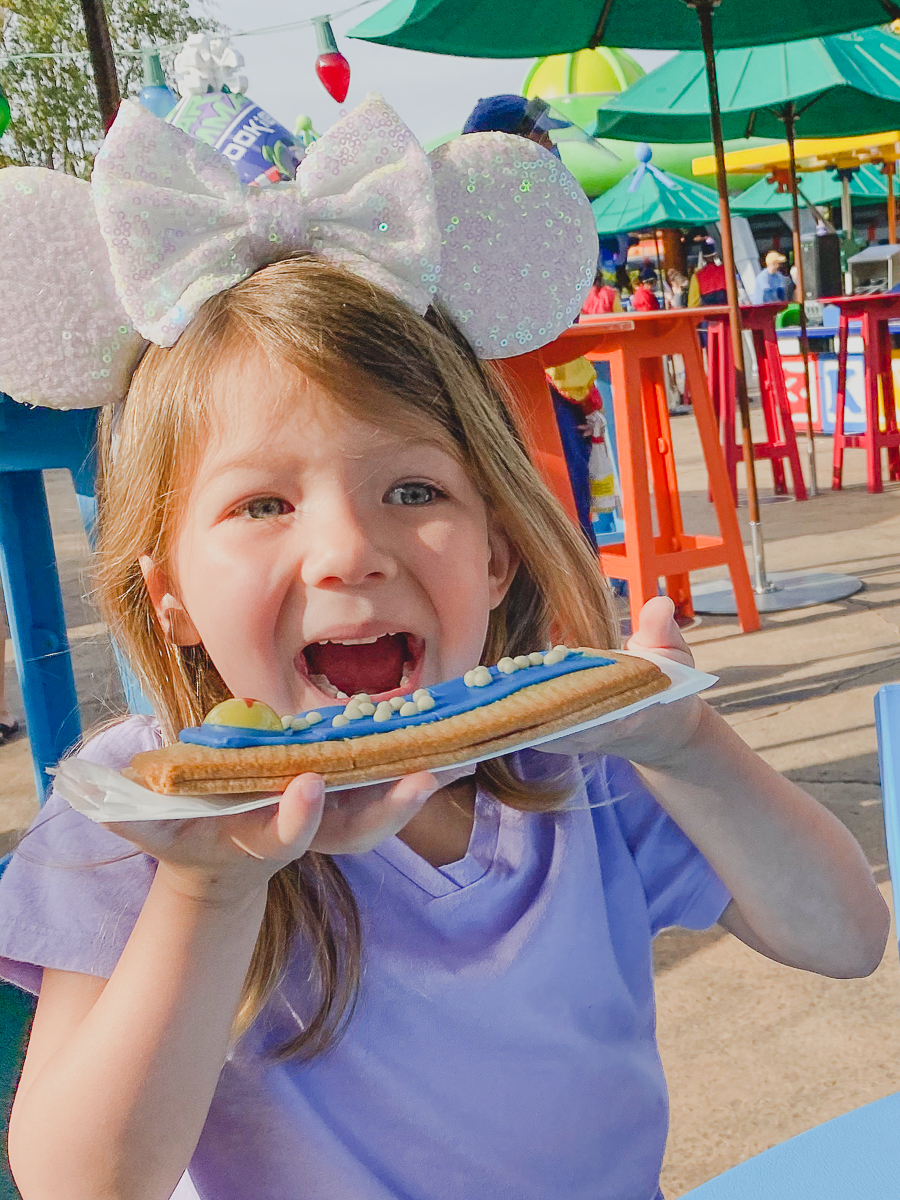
(478, 859)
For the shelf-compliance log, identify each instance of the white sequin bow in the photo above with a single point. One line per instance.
(490, 227)
(181, 227)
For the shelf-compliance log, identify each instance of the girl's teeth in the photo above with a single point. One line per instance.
(324, 684)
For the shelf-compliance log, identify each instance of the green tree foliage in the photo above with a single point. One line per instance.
(55, 119)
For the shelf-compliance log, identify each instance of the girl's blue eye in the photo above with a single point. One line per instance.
(412, 493)
(263, 508)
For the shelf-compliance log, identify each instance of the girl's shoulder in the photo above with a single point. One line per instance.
(116, 744)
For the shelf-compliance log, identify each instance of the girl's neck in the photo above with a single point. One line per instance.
(441, 829)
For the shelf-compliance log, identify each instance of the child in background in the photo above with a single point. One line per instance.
(426, 989)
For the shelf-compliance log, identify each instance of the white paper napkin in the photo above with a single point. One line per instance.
(104, 795)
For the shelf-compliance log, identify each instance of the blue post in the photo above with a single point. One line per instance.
(36, 620)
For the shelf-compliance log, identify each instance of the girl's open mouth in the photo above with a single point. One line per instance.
(383, 666)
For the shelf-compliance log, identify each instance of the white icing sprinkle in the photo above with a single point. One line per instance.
(298, 723)
(522, 660)
(562, 651)
(361, 696)
(424, 703)
(552, 657)
(383, 712)
(507, 666)
(408, 710)
(419, 693)
(340, 719)
(536, 658)
(286, 722)
(396, 702)
(313, 718)
(367, 708)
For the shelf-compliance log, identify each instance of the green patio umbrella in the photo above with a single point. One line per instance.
(648, 198)
(821, 87)
(867, 186)
(834, 86)
(526, 28)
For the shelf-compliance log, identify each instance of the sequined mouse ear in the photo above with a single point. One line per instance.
(519, 244)
(65, 340)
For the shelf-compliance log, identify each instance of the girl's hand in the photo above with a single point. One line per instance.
(229, 857)
(657, 733)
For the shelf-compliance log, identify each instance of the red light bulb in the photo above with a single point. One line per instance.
(332, 68)
(333, 71)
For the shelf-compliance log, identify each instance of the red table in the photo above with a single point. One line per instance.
(780, 445)
(873, 312)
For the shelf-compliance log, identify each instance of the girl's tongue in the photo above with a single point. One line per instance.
(373, 667)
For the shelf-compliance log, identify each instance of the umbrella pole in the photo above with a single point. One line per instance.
(804, 336)
(704, 10)
(846, 219)
(888, 169)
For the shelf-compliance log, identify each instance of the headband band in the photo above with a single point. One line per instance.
(490, 227)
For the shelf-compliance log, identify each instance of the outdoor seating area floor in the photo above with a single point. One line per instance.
(754, 1052)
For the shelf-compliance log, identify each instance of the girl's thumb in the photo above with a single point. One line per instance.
(658, 631)
(300, 809)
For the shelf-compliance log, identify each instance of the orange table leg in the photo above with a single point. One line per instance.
(636, 561)
(733, 547)
(665, 481)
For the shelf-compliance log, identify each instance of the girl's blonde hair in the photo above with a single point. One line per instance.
(363, 345)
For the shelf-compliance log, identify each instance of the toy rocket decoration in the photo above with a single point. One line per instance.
(332, 68)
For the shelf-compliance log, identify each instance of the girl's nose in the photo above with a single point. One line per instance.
(339, 548)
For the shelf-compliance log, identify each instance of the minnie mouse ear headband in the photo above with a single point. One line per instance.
(490, 227)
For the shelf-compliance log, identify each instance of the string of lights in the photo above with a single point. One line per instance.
(127, 52)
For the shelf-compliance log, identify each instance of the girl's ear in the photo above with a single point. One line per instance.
(503, 562)
(173, 618)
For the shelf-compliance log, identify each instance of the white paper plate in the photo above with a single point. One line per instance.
(104, 795)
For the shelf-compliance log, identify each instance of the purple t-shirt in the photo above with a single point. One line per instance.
(504, 1044)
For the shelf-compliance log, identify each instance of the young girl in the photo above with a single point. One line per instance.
(423, 990)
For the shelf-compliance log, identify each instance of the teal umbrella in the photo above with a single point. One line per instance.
(833, 86)
(867, 186)
(648, 198)
(525, 28)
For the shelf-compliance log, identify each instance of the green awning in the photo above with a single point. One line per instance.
(839, 86)
(526, 28)
(649, 198)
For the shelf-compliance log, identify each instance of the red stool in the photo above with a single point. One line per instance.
(635, 349)
(781, 441)
(874, 313)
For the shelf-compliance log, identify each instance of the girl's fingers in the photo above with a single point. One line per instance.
(657, 631)
(358, 819)
(300, 810)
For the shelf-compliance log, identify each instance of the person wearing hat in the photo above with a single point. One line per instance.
(771, 283)
(643, 298)
(515, 114)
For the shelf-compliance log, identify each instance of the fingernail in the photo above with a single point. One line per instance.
(316, 788)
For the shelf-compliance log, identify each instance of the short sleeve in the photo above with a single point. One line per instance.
(680, 886)
(72, 892)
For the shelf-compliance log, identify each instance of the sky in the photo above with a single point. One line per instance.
(433, 93)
